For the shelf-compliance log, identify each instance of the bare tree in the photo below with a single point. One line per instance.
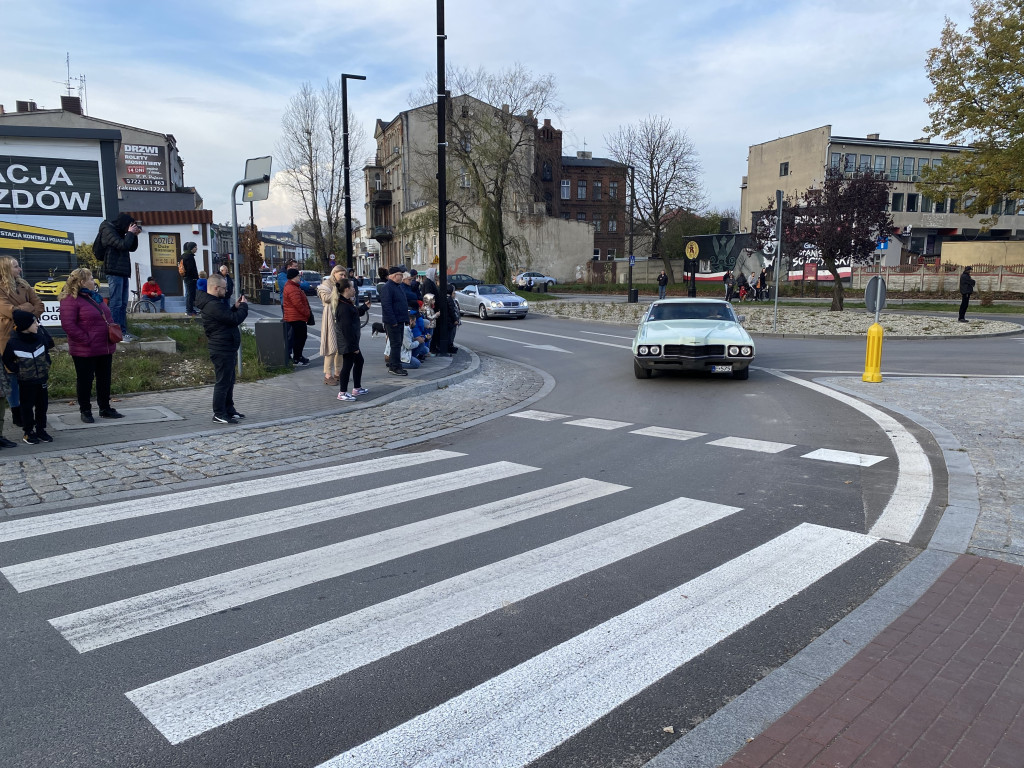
(311, 150)
(667, 174)
(491, 130)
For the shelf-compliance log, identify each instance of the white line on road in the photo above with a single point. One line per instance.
(599, 423)
(609, 335)
(833, 372)
(136, 616)
(531, 345)
(749, 444)
(195, 701)
(562, 336)
(914, 485)
(844, 457)
(540, 415)
(124, 510)
(524, 713)
(35, 574)
(666, 432)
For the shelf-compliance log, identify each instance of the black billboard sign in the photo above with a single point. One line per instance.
(48, 186)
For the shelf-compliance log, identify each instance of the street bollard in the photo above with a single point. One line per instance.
(873, 359)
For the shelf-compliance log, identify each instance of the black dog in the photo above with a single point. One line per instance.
(377, 328)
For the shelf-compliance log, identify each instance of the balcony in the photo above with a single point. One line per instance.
(383, 234)
(381, 197)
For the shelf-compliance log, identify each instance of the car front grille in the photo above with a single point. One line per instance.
(509, 304)
(693, 350)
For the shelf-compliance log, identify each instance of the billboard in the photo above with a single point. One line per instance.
(47, 186)
(143, 168)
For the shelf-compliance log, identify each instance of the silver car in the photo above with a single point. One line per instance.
(490, 300)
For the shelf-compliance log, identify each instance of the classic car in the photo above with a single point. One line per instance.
(692, 335)
(541, 282)
(458, 281)
(489, 300)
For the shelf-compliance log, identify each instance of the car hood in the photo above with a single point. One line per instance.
(692, 332)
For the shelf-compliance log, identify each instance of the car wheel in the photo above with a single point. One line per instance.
(640, 372)
(482, 313)
(742, 375)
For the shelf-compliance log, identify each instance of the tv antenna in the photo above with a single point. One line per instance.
(74, 83)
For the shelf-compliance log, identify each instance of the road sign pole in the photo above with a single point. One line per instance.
(234, 240)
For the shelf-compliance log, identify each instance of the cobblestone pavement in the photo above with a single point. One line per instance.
(984, 416)
(87, 472)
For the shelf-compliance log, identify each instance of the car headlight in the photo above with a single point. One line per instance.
(747, 351)
(525, 304)
(642, 350)
(655, 350)
(734, 351)
(495, 303)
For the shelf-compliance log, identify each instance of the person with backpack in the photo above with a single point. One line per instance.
(115, 243)
(189, 276)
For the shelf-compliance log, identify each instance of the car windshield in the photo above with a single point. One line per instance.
(694, 311)
(494, 289)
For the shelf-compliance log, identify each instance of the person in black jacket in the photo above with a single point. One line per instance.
(346, 328)
(220, 322)
(966, 289)
(453, 320)
(27, 356)
(119, 238)
(662, 284)
(188, 259)
(394, 310)
(428, 286)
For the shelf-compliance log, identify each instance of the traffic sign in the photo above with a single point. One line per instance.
(632, 260)
(257, 168)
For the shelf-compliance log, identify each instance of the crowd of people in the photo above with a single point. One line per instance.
(754, 288)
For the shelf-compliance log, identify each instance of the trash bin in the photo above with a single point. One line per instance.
(270, 343)
(634, 295)
(265, 296)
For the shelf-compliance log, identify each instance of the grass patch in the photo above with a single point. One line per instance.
(535, 296)
(136, 370)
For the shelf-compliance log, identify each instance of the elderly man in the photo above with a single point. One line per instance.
(220, 322)
(394, 309)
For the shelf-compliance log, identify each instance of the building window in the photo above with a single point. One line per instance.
(783, 169)
(376, 181)
(850, 163)
(836, 158)
(879, 163)
(865, 163)
(611, 254)
(613, 223)
(908, 167)
(546, 171)
(581, 189)
(922, 163)
(597, 190)
(597, 222)
(894, 168)
(565, 215)
(1010, 207)
(897, 202)
(464, 179)
(581, 217)
(953, 204)
(940, 206)
(926, 204)
(911, 203)
(597, 254)
(467, 141)
(613, 190)
(565, 189)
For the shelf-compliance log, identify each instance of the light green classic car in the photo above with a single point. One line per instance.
(692, 335)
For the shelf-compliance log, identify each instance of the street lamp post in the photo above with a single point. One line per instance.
(344, 148)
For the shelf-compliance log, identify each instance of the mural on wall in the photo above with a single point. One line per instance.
(717, 253)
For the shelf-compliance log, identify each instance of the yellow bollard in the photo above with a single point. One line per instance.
(873, 359)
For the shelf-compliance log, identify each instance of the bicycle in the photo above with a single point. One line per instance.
(139, 304)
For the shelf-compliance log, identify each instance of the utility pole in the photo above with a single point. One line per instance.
(344, 149)
(441, 302)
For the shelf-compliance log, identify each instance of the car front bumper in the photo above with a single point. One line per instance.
(690, 363)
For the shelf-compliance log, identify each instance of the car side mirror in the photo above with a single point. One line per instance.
(741, 319)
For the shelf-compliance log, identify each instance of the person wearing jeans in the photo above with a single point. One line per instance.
(118, 239)
(662, 284)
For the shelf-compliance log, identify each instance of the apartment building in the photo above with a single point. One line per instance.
(794, 163)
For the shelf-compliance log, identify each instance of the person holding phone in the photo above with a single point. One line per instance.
(221, 322)
(346, 323)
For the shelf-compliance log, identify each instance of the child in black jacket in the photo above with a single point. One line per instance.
(28, 357)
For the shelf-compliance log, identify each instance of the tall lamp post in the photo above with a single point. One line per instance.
(344, 148)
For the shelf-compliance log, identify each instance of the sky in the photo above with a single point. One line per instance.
(730, 73)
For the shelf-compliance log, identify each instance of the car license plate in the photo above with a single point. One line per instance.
(721, 369)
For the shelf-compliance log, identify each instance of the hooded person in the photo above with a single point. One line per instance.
(189, 276)
(117, 240)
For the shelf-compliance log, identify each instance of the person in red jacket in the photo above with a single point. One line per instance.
(297, 316)
(151, 292)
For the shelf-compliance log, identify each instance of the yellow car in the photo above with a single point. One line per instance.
(49, 290)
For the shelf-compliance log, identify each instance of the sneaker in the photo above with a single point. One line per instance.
(111, 413)
(225, 420)
(127, 338)
(345, 396)
(30, 439)
(961, 320)
(7, 443)
(398, 371)
(43, 436)
(238, 415)
(87, 417)
(360, 391)
(304, 361)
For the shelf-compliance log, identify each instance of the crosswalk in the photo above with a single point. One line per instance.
(510, 719)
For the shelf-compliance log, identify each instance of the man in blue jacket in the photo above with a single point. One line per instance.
(394, 309)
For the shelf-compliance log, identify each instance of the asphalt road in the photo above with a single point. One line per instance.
(544, 592)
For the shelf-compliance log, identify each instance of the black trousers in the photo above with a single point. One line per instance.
(351, 364)
(296, 332)
(224, 385)
(87, 369)
(452, 329)
(34, 400)
(395, 334)
(964, 301)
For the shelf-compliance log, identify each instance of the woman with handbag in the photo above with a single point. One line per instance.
(91, 333)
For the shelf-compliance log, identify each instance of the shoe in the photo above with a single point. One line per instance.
(225, 420)
(111, 413)
(398, 371)
(238, 415)
(87, 417)
(127, 338)
(331, 381)
(453, 350)
(304, 360)
(43, 436)
(5, 443)
(346, 397)
(360, 391)
(962, 320)
(30, 439)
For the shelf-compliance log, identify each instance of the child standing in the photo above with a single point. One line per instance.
(28, 357)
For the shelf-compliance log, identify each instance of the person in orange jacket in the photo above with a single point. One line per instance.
(151, 292)
(297, 316)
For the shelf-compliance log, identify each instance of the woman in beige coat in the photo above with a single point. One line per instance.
(329, 294)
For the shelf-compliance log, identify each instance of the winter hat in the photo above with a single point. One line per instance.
(201, 284)
(395, 269)
(22, 320)
(967, 269)
(190, 246)
(292, 273)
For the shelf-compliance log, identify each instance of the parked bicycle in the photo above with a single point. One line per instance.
(140, 304)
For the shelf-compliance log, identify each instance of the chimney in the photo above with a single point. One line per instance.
(529, 114)
(504, 108)
(2, 110)
(25, 106)
(925, 140)
(587, 155)
(873, 136)
(547, 120)
(71, 104)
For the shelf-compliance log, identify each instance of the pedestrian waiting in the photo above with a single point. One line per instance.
(27, 356)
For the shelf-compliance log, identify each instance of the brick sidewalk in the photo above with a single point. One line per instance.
(942, 686)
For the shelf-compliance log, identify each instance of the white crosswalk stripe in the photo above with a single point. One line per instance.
(539, 415)
(516, 717)
(670, 434)
(77, 565)
(599, 423)
(747, 444)
(195, 701)
(844, 457)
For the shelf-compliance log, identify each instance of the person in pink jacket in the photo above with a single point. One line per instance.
(84, 318)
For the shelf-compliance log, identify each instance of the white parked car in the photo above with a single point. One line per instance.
(541, 282)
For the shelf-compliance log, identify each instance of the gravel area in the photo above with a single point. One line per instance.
(808, 322)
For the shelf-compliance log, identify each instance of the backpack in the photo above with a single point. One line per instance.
(99, 250)
(181, 267)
